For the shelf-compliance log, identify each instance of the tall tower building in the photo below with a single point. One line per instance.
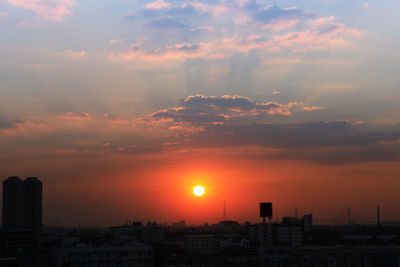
(13, 203)
(22, 204)
(33, 204)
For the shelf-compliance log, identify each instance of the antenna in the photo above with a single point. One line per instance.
(224, 214)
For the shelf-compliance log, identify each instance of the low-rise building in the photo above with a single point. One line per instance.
(343, 256)
(276, 234)
(201, 244)
(137, 255)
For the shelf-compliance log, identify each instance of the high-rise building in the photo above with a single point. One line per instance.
(22, 204)
(306, 223)
(33, 204)
(13, 203)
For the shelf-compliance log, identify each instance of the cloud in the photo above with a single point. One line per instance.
(197, 10)
(8, 124)
(237, 123)
(13, 127)
(178, 51)
(273, 14)
(250, 26)
(211, 123)
(319, 34)
(312, 108)
(231, 126)
(73, 54)
(116, 122)
(323, 33)
(71, 116)
(202, 29)
(31, 24)
(158, 4)
(280, 25)
(167, 22)
(337, 142)
(116, 41)
(201, 110)
(296, 135)
(52, 10)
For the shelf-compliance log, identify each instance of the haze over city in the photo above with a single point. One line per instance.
(122, 107)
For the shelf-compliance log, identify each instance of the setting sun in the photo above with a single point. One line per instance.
(198, 190)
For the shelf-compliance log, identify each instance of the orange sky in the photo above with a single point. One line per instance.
(120, 188)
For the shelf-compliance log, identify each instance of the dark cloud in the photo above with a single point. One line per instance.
(335, 142)
(224, 102)
(301, 135)
(8, 123)
(200, 109)
(220, 125)
(201, 122)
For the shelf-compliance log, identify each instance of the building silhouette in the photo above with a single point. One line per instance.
(13, 203)
(33, 204)
(22, 204)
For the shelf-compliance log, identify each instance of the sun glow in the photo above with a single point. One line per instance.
(198, 190)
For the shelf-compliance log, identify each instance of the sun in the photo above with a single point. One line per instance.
(198, 190)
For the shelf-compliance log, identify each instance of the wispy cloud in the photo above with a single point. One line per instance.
(72, 54)
(116, 41)
(179, 52)
(323, 33)
(14, 127)
(268, 29)
(276, 93)
(158, 4)
(31, 24)
(53, 10)
(71, 116)
(312, 108)
(286, 17)
(167, 22)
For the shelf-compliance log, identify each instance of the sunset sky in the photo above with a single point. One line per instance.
(121, 107)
